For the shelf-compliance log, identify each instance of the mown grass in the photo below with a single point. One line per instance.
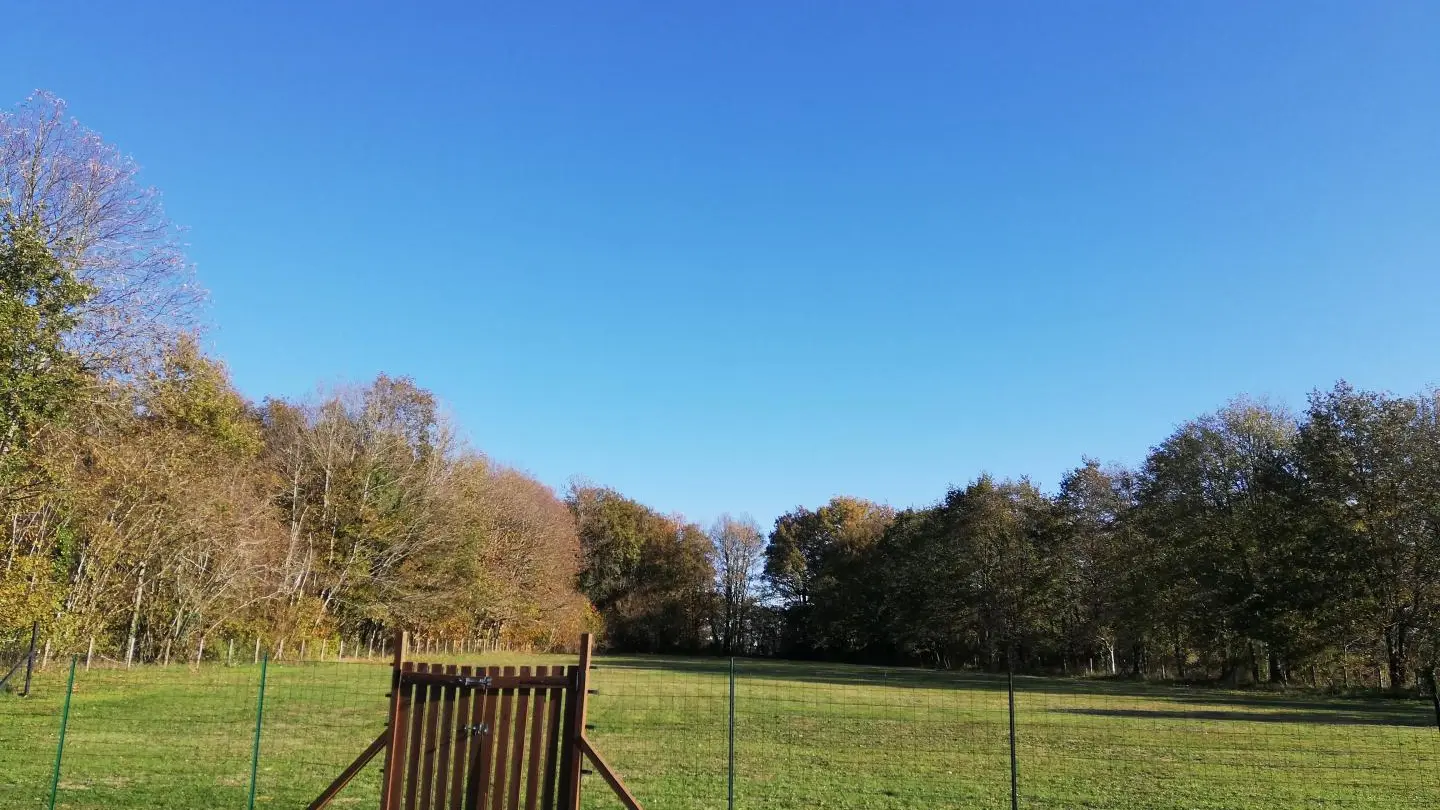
(806, 736)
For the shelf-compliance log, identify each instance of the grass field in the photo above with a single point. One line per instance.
(806, 736)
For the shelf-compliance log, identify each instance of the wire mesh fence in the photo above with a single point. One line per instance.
(230, 728)
(868, 737)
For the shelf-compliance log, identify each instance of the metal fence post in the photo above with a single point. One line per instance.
(64, 722)
(730, 780)
(259, 723)
(1014, 763)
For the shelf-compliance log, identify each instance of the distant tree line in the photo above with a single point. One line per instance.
(149, 505)
(1251, 546)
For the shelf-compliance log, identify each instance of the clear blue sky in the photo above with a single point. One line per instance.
(741, 256)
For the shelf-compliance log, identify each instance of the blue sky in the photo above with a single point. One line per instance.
(742, 256)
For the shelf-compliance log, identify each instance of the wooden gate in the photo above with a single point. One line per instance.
(484, 738)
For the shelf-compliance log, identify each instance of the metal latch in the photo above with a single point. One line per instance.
(479, 728)
(478, 683)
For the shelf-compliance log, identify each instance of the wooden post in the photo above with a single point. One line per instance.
(392, 787)
(89, 653)
(572, 760)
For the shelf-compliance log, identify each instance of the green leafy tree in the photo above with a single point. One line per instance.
(39, 302)
(1213, 493)
(1370, 462)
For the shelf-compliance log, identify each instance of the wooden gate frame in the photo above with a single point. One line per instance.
(568, 734)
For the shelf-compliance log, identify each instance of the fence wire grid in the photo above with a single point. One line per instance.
(237, 729)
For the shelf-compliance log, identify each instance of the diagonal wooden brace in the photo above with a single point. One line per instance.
(603, 768)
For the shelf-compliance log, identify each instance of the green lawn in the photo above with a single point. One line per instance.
(806, 736)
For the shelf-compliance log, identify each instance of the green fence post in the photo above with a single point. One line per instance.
(730, 781)
(259, 722)
(1014, 762)
(64, 722)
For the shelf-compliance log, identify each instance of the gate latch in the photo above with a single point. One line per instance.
(479, 728)
(477, 683)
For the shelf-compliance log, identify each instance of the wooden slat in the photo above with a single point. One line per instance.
(349, 773)
(567, 775)
(498, 681)
(537, 745)
(480, 782)
(481, 709)
(604, 769)
(502, 746)
(460, 756)
(444, 742)
(393, 791)
(434, 706)
(571, 764)
(417, 741)
(559, 704)
(517, 750)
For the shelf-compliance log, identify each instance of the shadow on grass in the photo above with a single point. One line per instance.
(1327, 718)
(1258, 706)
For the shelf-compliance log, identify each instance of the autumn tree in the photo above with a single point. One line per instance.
(651, 576)
(817, 564)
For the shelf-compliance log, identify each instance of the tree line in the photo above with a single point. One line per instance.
(1252, 545)
(150, 505)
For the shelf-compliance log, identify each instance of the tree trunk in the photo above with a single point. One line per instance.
(1276, 674)
(1434, 684)
(135, 615)
(1395, 656)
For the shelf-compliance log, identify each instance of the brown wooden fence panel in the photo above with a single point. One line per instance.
(463, 738)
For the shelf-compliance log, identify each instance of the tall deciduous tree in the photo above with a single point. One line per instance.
(739, 547)
(1370, 461)
(104, 226)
